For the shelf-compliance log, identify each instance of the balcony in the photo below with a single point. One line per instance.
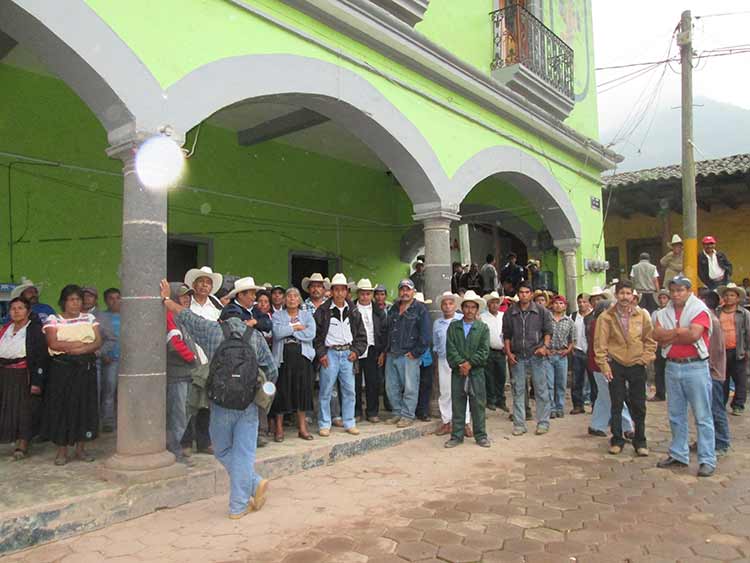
(531, 60)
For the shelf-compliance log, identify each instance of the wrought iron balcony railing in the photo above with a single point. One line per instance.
(521, 38)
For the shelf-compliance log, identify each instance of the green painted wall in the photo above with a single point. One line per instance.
(67, 223)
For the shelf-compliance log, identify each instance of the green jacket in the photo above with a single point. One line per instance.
(474, 348)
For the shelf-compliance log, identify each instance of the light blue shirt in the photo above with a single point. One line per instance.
(439, 331)
(467, 328)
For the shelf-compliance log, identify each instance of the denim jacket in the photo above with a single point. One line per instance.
(410, 332)
(439, 331)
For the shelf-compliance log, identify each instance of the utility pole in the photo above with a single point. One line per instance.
(689, 205)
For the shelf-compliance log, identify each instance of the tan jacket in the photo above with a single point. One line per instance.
(672, 266)
(610, 341)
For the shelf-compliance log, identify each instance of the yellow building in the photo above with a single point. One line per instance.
(643, 209)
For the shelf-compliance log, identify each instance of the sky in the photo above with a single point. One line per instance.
(641, 31)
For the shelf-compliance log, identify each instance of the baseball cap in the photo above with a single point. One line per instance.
(90, 289)
(709, 240)
(681, 280)
(406, 282)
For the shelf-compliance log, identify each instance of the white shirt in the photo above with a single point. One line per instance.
(366, 312)
(581, 342)
(339, 333)
(13, 345)
(208, 310)
(495, 323)
(715, 272)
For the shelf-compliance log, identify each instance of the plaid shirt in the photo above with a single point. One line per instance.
(307, 305)
(208, 335)
(563, 332)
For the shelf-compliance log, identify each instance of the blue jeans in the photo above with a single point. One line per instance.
(557, 381)
(402, 384)
(690, 385)
(602, 412)
(109, 393)
(719, 412)
(541, 391)
(176, 415)
(342, 370)
(234, 435)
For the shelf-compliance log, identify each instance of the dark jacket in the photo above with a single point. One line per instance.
(471, 281)
(515, 274)
(473, 348)
(37, 355)
(410, 332)
(380, 326)
(323, 321)
(741, 330)
(234, 309)
(526, 332)
(703, 268)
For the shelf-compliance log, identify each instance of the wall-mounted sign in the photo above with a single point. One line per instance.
(596, 203)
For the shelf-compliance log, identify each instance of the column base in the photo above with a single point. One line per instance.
(136, 469)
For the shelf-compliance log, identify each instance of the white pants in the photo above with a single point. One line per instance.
(446, 407)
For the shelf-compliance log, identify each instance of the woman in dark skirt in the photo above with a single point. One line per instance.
(23, 367)
(293, 334)
(71, 398)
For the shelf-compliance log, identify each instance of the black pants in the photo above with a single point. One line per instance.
(425, 390)
(495, 374)
(660, 365)
(737, 370)
(197, 429)
(648, 302)
(368, 372)
(580, 372)
(628, 386)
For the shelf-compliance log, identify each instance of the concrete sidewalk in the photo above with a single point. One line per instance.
(553, 498)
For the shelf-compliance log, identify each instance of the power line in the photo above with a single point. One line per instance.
(721, 15)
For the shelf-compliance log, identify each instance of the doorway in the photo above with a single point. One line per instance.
(184, 253)
(302, 265)
(635, 246)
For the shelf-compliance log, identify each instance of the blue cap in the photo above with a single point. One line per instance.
(406, 282)
(380, 287)
(681, 280)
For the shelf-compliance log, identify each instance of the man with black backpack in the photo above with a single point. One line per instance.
(236, 352)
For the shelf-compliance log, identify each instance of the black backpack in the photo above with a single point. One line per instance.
(233, 372)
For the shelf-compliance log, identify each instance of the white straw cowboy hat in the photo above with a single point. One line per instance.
(339, 279)
(204, 272)
(244, 284)
(474, 298)
(447, 295)
(675, 240)
(416, 263)
(23, 286)
(420, 297)
(494, 295)
(731, 286)
(597, 291)
(364, 285)
(316, 277)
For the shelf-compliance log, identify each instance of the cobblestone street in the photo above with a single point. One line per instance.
(558, 497)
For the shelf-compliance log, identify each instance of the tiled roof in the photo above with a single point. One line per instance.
(728, 166)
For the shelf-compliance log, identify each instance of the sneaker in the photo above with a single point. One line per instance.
(259, 499)
(670, 462)
(483, 442)
(595, 432)
(354, 431)
(518, 431)
(641, 452)
(737, 411)
(404, 423)
(615, 449)
(452, 443)
(541, 430)
(325, 432)
(705, 470)
(393, 420)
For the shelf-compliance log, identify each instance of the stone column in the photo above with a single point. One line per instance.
(141, 395)
(464, 243)
(569, 248)
(437, 250)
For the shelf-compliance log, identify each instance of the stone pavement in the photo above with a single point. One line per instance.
(558, 497)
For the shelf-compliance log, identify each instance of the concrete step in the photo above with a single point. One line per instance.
(40, 502)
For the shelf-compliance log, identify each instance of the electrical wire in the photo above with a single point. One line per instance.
(721, 15)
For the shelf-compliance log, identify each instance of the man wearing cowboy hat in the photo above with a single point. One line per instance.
(735, 324)
(316, 285)
(369, 362)
(714, 268)
(205, 284)
(407, 339)
(447, 303)
(340, 340)
(496, 369)
(30, 291)
(242, 300)
(467, 348)
(672, 261)
(418, 276)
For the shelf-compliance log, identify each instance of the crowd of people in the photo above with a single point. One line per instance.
(333, 356)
